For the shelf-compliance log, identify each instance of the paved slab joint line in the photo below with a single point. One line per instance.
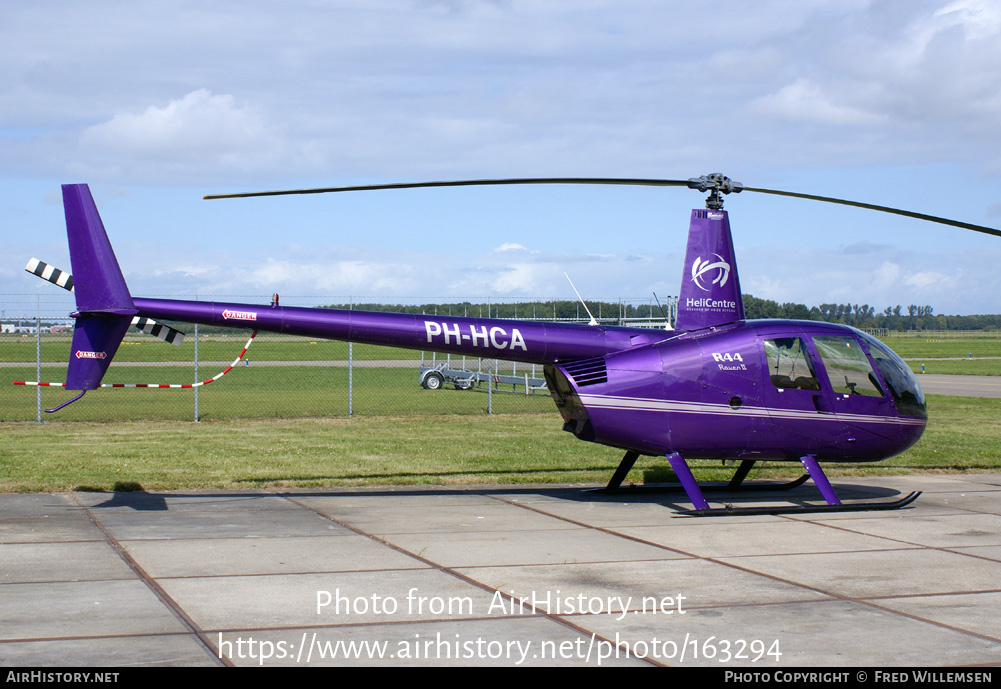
(157, 590)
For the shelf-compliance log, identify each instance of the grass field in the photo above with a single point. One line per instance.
(959, 347)
(377, 450)
(929, 352)
(963, 367)
(249, 391)
(258, 392)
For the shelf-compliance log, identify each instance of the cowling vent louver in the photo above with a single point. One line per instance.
(587, 371)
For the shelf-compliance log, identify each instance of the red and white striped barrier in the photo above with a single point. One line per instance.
(154, 385)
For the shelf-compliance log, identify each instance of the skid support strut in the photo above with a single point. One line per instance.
(684, 474)
(620, 473)
(820, 479)
(736, 483)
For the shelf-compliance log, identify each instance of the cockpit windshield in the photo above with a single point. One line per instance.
(904, 386)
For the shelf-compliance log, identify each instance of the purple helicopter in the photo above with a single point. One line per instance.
(717, 387)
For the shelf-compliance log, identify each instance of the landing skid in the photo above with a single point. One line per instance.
(694, 491)
(728, 509)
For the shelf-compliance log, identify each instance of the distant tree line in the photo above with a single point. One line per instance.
(912, 317)
(559, 310)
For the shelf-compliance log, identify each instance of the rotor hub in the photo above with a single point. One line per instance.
(716, 183)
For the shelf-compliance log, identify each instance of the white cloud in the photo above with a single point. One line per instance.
(337, 277)
(198, 120)
(510, 246)
(980, 19)
(937, 66)
(805, 101)
(200, 131)
(888, 275)
(520, 278)
(931, 281)
(943, 279)
(407, 89)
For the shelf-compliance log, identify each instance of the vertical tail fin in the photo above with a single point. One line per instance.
(710, 289)
(100, 286)
(104, 305)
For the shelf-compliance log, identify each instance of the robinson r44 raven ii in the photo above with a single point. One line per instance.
(718, 387)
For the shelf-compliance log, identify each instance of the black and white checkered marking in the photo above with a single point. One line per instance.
(50, 273)
(164, 332)
(65, 280)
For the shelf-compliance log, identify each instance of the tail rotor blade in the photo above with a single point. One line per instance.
(159, 330)
(57, 277)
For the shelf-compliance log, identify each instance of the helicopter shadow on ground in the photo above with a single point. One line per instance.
(653, 491)
(128, 494)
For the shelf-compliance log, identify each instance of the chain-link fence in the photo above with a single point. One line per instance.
(279, 377)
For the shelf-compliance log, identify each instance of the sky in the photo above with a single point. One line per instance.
(156, 104)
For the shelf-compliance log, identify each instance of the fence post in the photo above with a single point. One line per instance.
(38, 359)
(196, 372)
(351, 307)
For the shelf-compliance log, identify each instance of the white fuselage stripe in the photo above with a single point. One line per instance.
(656, 405)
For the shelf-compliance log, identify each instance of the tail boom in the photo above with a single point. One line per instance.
(511, 340)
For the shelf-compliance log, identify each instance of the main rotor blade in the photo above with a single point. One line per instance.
(465, 183)
(884, 209)
(690, 183)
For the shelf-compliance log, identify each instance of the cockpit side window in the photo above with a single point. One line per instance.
(789, 365)
(904, 387)
(848, 369)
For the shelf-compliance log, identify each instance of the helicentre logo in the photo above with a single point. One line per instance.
(700, 268)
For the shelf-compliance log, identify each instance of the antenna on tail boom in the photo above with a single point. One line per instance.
(593, 321)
